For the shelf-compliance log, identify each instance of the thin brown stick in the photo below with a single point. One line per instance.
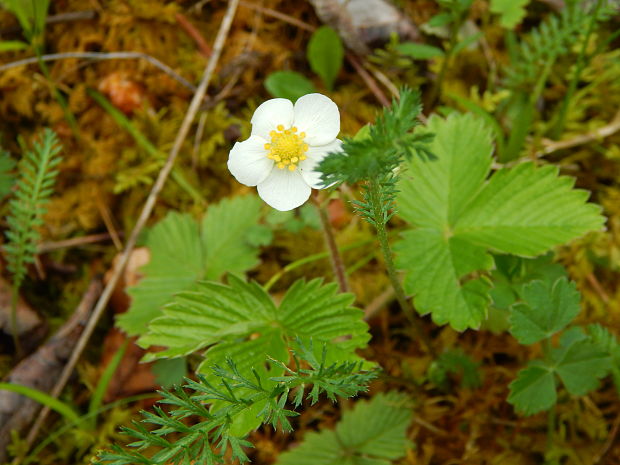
(191, 30)
(379, 303)
(600, 133)
(102, 56)
(73, 242)
(368, 80)
(146, 209)
(330, 241)
(597, 287)
(276, 14)
(109, 224)
(611, 439)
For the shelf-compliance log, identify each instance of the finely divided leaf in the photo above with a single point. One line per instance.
(460, 216)
(181, 253)
(373, 433)
(6, 177)
(533, 391)
(546, 309)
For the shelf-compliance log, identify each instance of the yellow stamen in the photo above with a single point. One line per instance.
(286, 147)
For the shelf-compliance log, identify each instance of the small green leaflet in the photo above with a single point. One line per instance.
(325, 54)
(512, 274)
(288, 84)
(373, 433)
(534, 390)
(183, 252)
(511, 12)
(419, 51)
(546, 309)
(240, 321)
(578, 363)
(460, 214)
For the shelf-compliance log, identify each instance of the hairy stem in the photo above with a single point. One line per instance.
(374, 190)
(330, 241)
(580, 65)
(16, 343)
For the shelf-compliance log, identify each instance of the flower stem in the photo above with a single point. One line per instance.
(330, 241)
(374, 191)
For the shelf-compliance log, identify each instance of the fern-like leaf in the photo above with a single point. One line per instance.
(207, 440)
(553, 39)
(37, 175)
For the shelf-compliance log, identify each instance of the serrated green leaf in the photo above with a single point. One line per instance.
(325, 54)
(533, 391)
(241, 322)
(546, 309)
(460, 216)
(181, 254)
(373, 433)
(175, 264)
(288, 84)
(224, 231)
(580, 365)
(512, 273)
(511, 12)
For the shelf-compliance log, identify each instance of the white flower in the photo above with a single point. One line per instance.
(286, 144)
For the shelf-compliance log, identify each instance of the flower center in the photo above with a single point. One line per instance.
(287, 148)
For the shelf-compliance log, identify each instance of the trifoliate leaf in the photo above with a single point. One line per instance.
(546, 309)
(534, 390)
(373, 433)
(325, 54)
(460, 216)
(580, 364)
(512, 273)
(511, 12)
(182, 253)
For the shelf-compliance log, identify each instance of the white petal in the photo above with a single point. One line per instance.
(317, 116)
(271, 113)
(284, 189)
(248, 161)
(315, 155)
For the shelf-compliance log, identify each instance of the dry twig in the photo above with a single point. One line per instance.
(102, 56)
(146, 209)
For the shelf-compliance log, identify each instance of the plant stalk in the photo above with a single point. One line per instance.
(330, 241)
(374, 190)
